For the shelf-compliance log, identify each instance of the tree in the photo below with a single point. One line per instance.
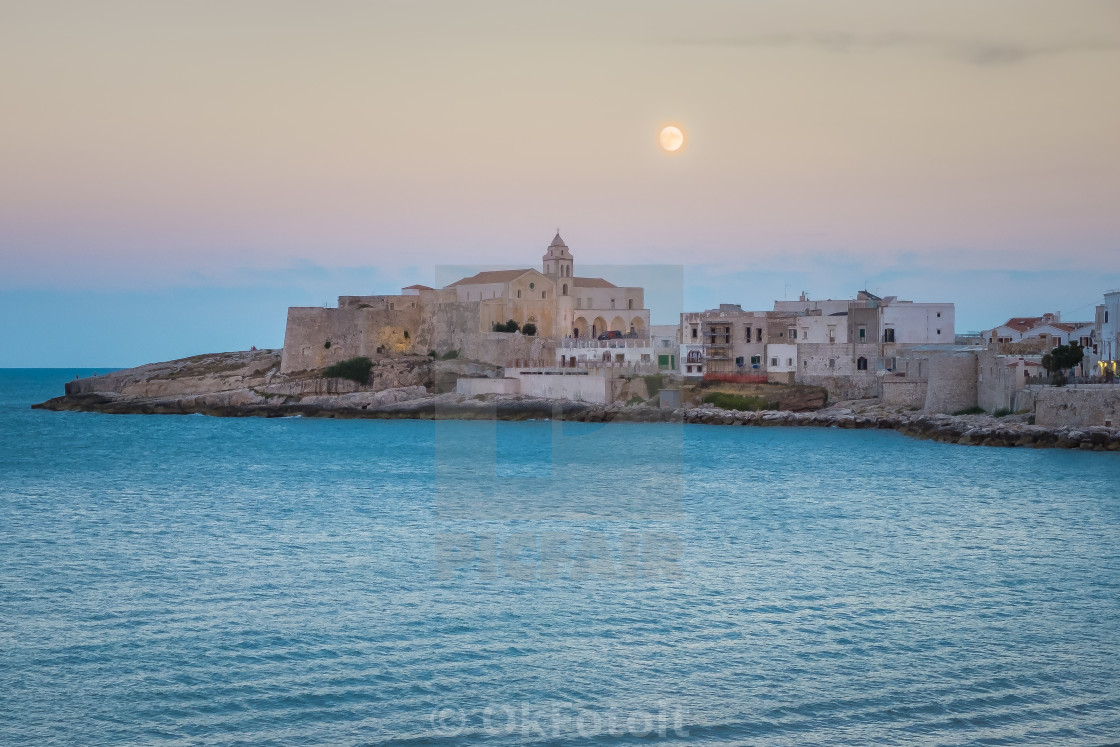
(529, 329)
(510, 326)
(1061, 359)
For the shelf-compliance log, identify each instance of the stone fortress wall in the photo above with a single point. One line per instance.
(316, 337)
(383, 326)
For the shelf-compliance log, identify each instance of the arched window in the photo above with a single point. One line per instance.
(695, 356)
(519, 293)
(861, 364)
(544, 294)
(565, 289)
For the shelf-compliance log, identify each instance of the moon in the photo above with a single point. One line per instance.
(671, 138)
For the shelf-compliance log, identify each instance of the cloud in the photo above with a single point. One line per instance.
(979, 52)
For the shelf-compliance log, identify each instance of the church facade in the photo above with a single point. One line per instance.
(555, 299)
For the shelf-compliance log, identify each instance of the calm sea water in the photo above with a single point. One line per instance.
(188, 580)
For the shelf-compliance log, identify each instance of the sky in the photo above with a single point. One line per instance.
(174, 175)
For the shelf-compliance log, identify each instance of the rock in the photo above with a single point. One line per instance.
(444, 374)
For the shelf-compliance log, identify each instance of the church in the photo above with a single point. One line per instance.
(567, 310)
(556, 300)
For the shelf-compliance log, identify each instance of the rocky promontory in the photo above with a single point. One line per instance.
(250, 384)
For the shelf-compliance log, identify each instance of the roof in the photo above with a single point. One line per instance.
(558, 241)
(491, 276)
(417, 286)
(1022, 323)
(592, 283)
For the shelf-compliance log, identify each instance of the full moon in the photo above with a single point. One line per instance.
(671, 138)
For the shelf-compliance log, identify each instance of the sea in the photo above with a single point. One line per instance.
(187, 580)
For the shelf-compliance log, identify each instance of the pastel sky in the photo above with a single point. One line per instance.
(174, 174)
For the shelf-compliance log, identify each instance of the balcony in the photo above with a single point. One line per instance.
(571, 343)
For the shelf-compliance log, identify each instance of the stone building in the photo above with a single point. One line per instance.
(844, 345)
(555, 299)
(462, 317)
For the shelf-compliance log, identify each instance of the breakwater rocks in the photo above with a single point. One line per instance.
(415, 403)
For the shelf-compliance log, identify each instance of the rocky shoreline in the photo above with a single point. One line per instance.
(416, 403)
(249, 384)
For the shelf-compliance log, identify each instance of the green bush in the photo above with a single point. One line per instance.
(355, 369)
(654, 382)
(432, 354)
(529, 329)
(510, 326)
(635, 400)
(327, 344)
(741, 402)
(450, 355)
(1002, 412)
(971, 411)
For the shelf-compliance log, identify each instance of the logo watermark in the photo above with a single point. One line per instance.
(559, 720)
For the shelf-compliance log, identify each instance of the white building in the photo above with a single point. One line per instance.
(1108, 332)
(1016, 327)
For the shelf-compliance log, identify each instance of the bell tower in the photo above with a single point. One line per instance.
(557, 259)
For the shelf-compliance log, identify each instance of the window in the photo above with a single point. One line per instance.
(774, 362)
(544, 294)
(532, 286)
(861, 364)
(565, 291)
(694, 333)
(579, 303)
(888, 334)
(938, 331)
(804, 364)
(789, 361)
(630, 303)
(792, 333)
(519, 293)
(747, 334)
(758, 334)
(612, 303)
(863, 333)
(831, 364)
(939, 315)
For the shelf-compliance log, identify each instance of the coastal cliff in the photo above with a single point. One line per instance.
(250, 384)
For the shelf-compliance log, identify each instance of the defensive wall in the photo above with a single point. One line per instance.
(1083, 405)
